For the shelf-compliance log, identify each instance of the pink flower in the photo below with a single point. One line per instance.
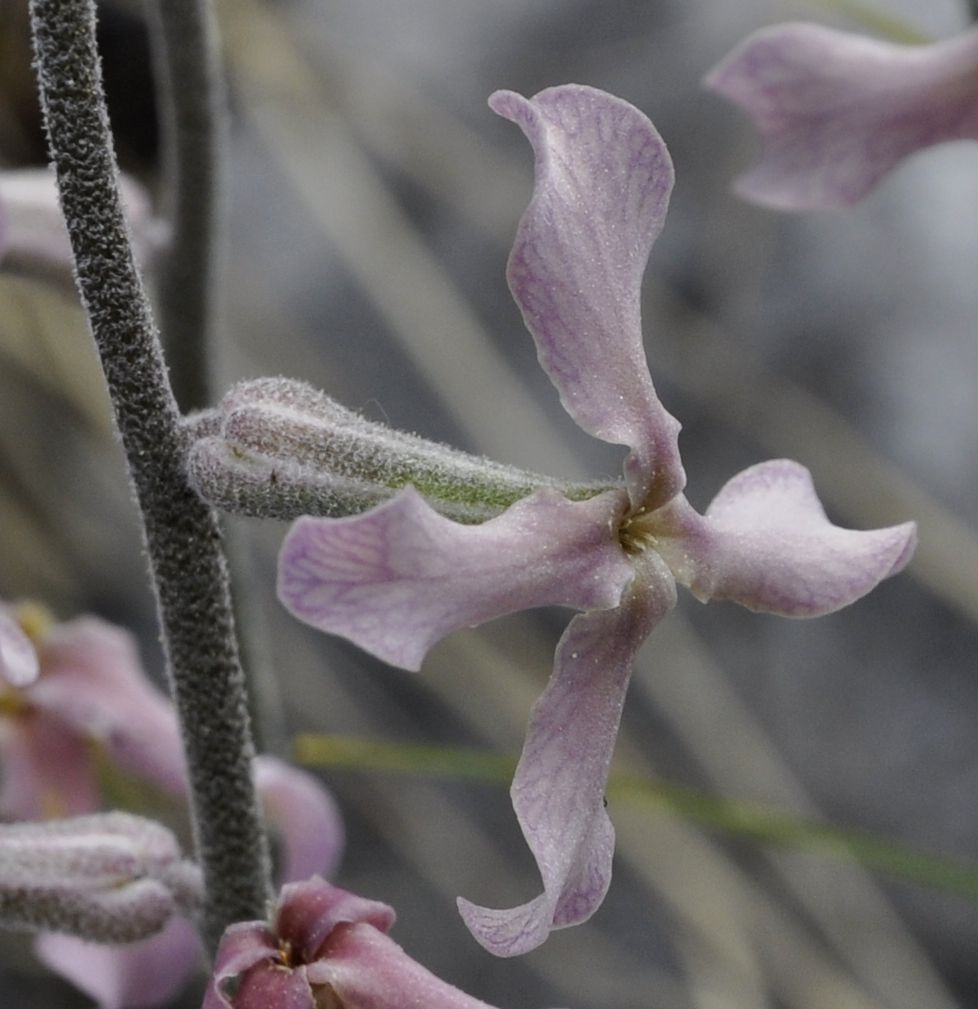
(326, 949)
(837, 111)
(80, 687)
(67, 690)
(400, 577)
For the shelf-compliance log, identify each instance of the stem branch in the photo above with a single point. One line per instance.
(191, 101)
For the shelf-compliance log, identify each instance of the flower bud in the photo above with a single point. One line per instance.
(108, 877)
(280, 448)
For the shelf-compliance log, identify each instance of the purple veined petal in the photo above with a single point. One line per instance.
(766, 543)
(18, 657)
(94, 682)
(837, 111)
(138, 975)
(558, 790)
(368, 970)
(603, 179)
(305, 816)
(398, 578)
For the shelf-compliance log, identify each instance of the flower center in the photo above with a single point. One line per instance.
(13, 703)
(638, 532)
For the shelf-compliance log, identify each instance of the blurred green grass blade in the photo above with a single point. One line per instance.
(751, 821)
(407, 758)
(882, 23)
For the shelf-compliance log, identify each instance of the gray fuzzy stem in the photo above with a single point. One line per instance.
(191, 100)
(182, 536)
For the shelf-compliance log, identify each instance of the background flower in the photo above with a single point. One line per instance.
(91, 702)
(325, 946)
(838, 110)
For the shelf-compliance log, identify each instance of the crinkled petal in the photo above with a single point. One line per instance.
(368, 970)
(138, 975)
(400, 577)
(243, 946)
(766, 543)
(837, 111)
(94, 683)
(18, 658)
(558, 790)
(603, 178)
(270, 986)
(309, 911)
(305, 816)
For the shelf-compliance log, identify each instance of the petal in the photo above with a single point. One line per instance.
(603, 178)
(18, 658)
(837, 111)
(45, 770)
(269, 986)
(138, 975)
(242, 947)
(308, 912)
(400, 577)
(767, 544)
(94, 682)
(368, 970)
(558, 790)
(305, 815)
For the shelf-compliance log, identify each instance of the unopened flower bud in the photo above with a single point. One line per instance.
(108, 877)
(280, 448)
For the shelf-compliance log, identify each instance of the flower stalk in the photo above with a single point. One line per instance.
(191, 101)
(182, 536)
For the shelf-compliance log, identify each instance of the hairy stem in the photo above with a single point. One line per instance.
(182, 536)
(191, 100)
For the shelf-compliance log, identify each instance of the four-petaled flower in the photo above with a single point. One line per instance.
(399, 577)
(326, 949)
(837, 111)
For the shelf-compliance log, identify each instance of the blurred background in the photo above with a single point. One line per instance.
(371, 199)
